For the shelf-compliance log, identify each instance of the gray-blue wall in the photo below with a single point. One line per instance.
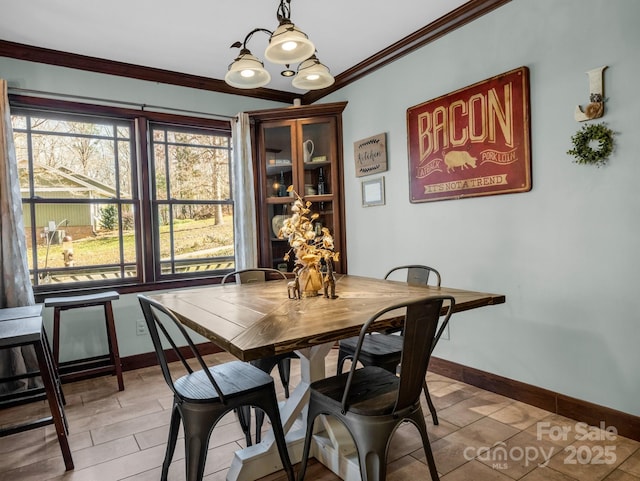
(565, 254)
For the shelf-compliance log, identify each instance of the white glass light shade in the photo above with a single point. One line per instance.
(288, 44)
(247, 72)
(312, 75)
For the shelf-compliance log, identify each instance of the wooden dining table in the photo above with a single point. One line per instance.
(257, 320)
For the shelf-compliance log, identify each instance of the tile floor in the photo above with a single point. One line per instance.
(482, 436)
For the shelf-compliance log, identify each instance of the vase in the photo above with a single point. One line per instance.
(307, 150)
(310, 280)
(277, 221)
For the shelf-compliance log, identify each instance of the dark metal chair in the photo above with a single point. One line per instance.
(371, 401)
(384, 349)
(283, 361)
(201, 398)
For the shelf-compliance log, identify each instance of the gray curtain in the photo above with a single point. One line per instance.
(15, 284)
(245, 237)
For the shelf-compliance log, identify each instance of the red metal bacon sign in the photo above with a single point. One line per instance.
(472, 142)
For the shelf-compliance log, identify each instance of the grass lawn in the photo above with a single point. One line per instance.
(190, 238)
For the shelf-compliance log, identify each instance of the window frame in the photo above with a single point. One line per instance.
(146, 256)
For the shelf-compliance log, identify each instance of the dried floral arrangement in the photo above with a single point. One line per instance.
(298, 229)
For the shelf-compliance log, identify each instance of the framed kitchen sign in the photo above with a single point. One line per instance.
(370, 155)
(472, 142)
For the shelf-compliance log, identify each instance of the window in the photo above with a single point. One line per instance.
(122, 199)
(192, 204)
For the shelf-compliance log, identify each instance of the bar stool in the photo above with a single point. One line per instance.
(17, 331)
(108, 363)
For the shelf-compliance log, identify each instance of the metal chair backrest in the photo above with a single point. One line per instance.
(421, 322)
(417, 274)
(255, 274)
(159, 322)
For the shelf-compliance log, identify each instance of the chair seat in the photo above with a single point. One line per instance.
(376, 344)
(234, 378)
(383, 350)
(374, 388)
(82, 301)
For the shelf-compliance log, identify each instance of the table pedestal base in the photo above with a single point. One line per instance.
(339, 455)
(332, 445)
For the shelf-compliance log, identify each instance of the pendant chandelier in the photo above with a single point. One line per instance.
(287, 45)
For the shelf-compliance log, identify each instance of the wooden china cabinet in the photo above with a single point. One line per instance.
(299, 146)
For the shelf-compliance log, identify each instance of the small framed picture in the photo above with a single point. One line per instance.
(373, 192)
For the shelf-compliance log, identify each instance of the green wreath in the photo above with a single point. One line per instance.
(582, 150)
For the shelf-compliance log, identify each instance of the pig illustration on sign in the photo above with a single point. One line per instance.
(459, 158)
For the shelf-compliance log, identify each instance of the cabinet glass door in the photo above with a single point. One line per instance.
(279, 160)
(319, 158)
(281, 171)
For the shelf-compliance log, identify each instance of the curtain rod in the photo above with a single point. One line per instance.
(17, 90)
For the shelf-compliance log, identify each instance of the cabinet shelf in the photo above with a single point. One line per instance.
(278, 168)
(319, 198)
(279, 200)
(316, 165)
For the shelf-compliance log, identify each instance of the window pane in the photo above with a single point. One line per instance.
(160, 177)
(158, 135)
(22, 156)
(126, 170)
(79, 242)
(73, 158)
(124, 132)
(198, 165)
(18, 121)
(198, 173)
(195, 237)
(61, 125)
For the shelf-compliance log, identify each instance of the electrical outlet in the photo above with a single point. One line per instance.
(141, 327)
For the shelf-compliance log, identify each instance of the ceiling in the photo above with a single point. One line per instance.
(193, 37)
